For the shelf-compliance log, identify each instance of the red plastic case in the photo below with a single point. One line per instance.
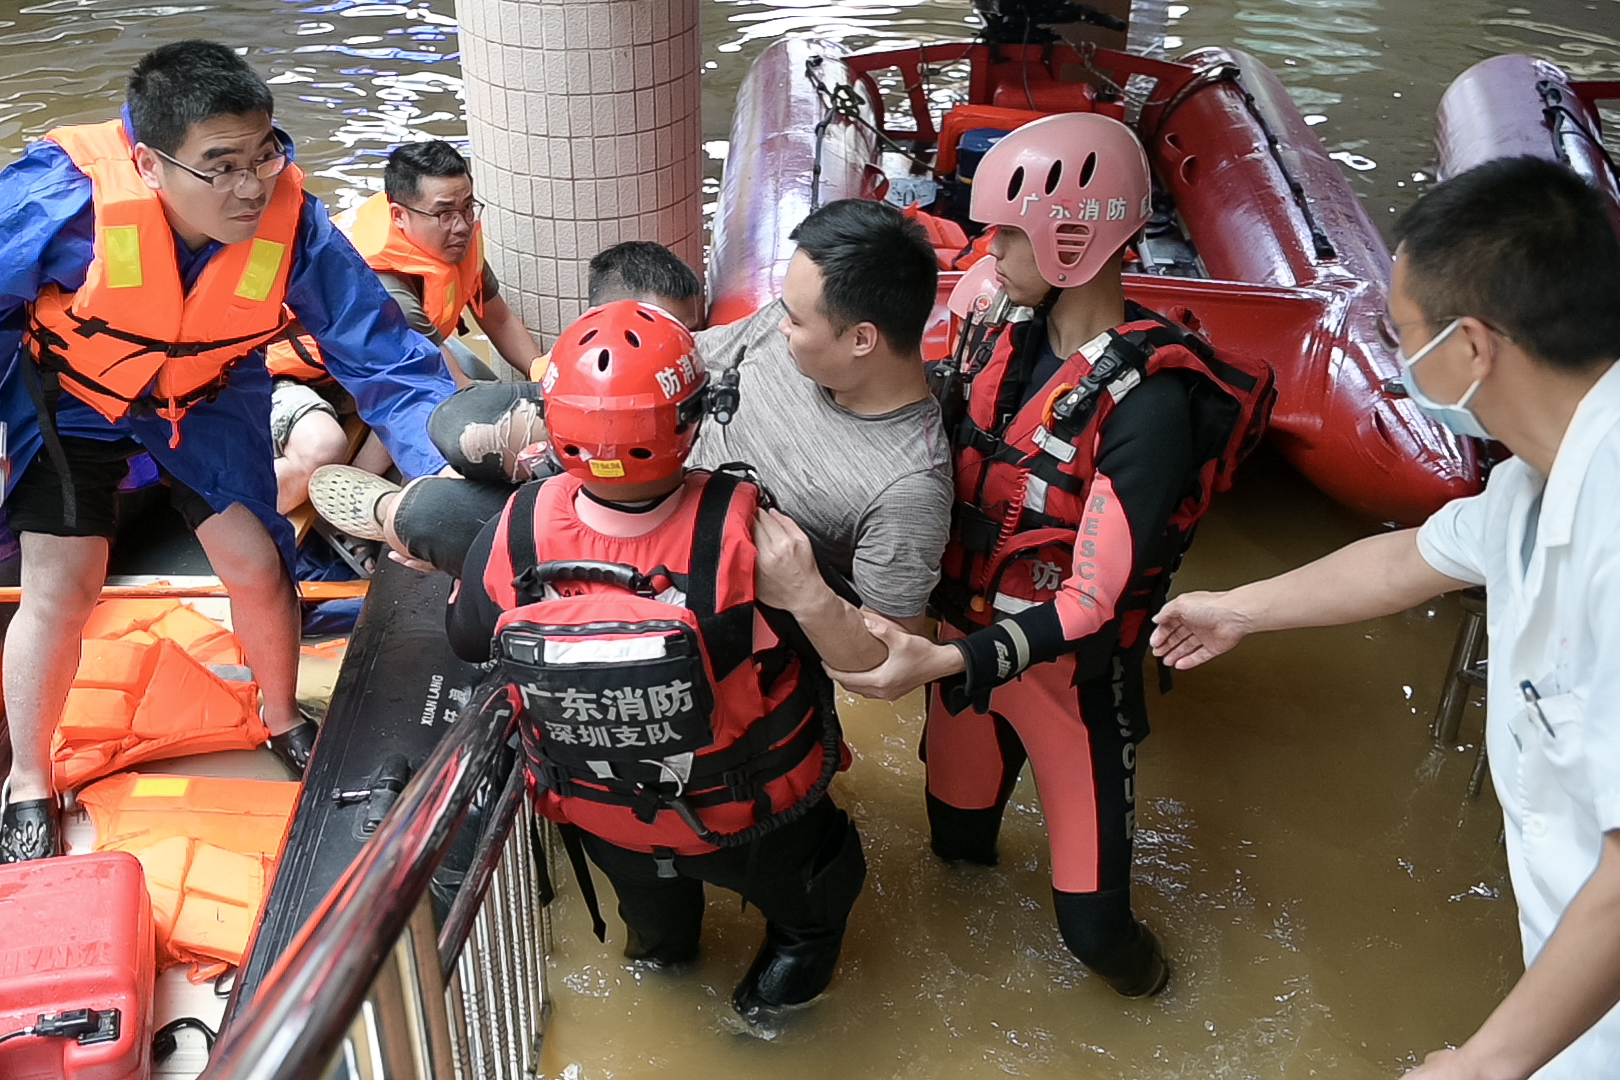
(76, 933)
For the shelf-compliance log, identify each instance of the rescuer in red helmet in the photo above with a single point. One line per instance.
(1091, 438)
(676, 720)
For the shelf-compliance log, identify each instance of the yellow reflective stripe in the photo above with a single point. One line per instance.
(121, 255)
(450, 298)
(259, 275)
(158, 787)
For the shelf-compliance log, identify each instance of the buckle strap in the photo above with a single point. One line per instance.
(970, 436)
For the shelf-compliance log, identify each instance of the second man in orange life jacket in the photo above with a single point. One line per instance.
(675, 716)
(160, 255)
(422, 236)
(1095, 433)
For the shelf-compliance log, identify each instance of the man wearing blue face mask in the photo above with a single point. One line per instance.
(1457, 416)
(1506, 299)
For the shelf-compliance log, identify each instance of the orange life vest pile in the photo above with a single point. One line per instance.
(144, 691)
(206, 845)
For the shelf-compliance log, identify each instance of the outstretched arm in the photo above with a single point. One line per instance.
(1376, 576)
(786, 577)
(509, 336)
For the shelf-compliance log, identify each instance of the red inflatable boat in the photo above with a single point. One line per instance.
(1255, 230)
(1515, 104)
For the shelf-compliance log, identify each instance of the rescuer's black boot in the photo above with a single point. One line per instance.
(1100, 930)
(786, 971)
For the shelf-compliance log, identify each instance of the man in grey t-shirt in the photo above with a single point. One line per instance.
(835, 416)
(869, 484)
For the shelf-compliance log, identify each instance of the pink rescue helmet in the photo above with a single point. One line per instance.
(1076, 183)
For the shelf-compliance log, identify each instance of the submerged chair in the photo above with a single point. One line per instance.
(1464, 673)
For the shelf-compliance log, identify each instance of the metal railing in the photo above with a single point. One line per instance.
(371, 988)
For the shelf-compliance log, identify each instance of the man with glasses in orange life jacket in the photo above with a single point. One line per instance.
(1095, 433)
(666, 657)
(147, 261)
(422, 236)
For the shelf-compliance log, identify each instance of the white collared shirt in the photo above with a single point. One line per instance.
(1554, 621)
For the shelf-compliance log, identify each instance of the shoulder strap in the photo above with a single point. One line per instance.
(727, 635)
(1121, 366)
(1169, 332)
(520, 549)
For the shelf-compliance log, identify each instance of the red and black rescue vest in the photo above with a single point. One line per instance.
(662, 708)
(1022, 478)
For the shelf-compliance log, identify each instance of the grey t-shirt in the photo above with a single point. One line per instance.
(406, 289)
(872, 492)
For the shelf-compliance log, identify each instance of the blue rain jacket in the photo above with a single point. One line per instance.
(395, 374)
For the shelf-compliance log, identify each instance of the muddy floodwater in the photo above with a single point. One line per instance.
(1332, 901)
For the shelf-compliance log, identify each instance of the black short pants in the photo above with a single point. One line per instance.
(97, 468)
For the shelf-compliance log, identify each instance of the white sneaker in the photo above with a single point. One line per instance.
(347, 497)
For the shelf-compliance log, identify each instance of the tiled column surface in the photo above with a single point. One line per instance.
(585, 127)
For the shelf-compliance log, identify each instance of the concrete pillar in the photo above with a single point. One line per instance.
(585, 127)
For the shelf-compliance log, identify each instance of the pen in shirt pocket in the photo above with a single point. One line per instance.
(1532, 700)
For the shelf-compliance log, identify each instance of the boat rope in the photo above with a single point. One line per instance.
(1228, 72)
(1561, 120)
(1319, 237)
(843, 100)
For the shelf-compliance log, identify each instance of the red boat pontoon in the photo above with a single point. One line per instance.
(1257, 231)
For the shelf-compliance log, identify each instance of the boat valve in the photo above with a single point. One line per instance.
(380, 794)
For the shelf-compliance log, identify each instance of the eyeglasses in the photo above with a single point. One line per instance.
(1389, 329)
(231, 180)
(448, 218)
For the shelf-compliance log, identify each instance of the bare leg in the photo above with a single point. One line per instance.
(317, 439)
(264, 611)
(373, 456)
(385, 517)
(61, 579)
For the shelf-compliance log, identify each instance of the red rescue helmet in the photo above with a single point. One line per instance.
(1076, 183)
(624, 394)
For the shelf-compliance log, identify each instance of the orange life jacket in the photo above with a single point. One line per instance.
(132, 332)
(447, 288)
(207, 846)
(298, 356)
(952, 248)
(1022, 481)
(143, 691)
(721, 728)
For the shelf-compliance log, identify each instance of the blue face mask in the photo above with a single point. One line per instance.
(1456, 416)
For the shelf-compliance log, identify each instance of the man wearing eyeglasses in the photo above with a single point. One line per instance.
(422, 236)
(144, 264)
